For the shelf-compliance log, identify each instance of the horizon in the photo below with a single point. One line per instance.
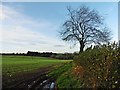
(33, 51)
(30, 26)
(36, 51)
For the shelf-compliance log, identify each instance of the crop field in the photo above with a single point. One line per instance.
(94, 68)
(15, 64)
(13, 67)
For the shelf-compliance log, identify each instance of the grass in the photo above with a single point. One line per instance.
(60, 69)
(15, 65)
(12, 65)
(65, 78)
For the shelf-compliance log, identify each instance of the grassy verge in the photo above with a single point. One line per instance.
(65, 77)
(61, 69)
(67, 81)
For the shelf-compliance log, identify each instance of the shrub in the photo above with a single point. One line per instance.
(64, 56)
(101, 65)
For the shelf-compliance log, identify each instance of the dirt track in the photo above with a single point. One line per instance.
(35, 81)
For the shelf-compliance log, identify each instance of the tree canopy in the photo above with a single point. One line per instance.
(85, 26)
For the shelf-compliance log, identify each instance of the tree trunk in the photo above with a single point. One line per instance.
(81, 46)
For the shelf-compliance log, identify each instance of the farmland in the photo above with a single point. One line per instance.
(93, 68)
(14, 67)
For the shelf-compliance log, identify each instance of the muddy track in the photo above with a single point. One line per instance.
(36, 81)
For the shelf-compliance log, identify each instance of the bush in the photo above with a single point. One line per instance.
(64, 56)
(101, 65)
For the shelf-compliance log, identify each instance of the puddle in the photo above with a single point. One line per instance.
(50, 86)
(47, 86)
(43, 82)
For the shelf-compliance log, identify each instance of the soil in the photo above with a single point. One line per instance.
(34, 81)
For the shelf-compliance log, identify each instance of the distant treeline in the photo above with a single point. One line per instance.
(45, 54)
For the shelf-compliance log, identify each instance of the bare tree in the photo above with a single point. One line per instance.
(84, 26)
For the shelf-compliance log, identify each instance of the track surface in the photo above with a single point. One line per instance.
(36, 81)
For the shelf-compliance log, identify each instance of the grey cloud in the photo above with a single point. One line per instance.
(59, 46)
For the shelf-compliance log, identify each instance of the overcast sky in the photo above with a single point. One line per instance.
(34, 25)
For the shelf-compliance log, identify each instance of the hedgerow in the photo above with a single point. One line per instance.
(99, 67)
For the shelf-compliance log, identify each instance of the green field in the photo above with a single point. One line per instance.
(12, 65)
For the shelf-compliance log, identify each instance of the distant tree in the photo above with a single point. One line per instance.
(84, 26)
